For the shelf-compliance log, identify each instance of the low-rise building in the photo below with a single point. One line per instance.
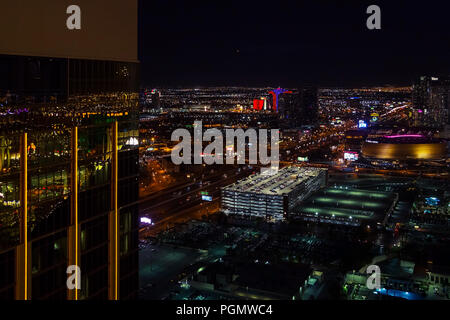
(272, 196)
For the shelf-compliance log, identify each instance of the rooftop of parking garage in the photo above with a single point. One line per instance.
(283, 182)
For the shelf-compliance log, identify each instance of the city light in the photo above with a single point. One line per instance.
(146, 220)
(362, 124)
(257, 152)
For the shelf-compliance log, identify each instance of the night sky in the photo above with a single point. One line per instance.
(290, 43)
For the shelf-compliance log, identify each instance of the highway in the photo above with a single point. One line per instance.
(182, 203)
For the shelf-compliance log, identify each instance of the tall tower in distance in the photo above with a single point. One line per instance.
(308, 104)
(430, 99)
(275, 95)
(156, 99)
(299, 108)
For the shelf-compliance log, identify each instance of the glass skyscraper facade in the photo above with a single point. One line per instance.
(68, 177)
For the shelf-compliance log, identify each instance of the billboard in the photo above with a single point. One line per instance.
(350, 155)
(207, 198)
(258, 104)
(374, 117)
(82, 29)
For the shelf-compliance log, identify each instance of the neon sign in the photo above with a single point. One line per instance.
(275, 94)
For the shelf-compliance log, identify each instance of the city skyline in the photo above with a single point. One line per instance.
(231, 151)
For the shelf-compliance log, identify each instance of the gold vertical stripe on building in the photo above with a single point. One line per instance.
(74, 232)
(23, 283)
(114, 219)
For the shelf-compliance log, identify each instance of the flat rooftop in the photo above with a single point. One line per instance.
(349, 203)
(283, 182)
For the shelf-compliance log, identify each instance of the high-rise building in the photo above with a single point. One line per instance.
(299, 108)
(308, 104)
(156, 99)
(276, 93)
(288, 110)
(69, 158)
(431, 101)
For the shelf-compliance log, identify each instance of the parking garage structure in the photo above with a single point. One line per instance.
(344, 206)
(272, 197)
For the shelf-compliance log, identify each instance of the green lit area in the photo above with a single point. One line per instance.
(341, 201)
(339, 212)
(359, 193)
(352, 204)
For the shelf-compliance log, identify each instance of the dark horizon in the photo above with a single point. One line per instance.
(290, 43)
